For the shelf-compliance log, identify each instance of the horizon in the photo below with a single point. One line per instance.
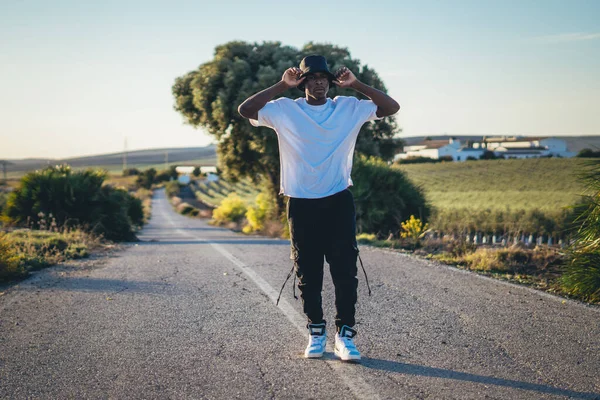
(85, 78)
(129, 151)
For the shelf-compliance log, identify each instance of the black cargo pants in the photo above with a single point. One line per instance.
(325, 228)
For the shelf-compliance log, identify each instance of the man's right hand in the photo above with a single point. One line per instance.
(291, 77)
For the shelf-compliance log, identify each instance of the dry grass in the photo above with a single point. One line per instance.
(125, 182)
(25, 250)
(145, 195)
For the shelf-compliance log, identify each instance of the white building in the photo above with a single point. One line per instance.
(514, 147)
(437, 149)
(507, 147)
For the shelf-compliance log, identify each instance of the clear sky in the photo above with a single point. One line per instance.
(78, 77)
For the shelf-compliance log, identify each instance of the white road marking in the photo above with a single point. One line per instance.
(347, 373)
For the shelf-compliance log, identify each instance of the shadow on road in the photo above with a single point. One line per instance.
(103, 285)
(209, 241)
(411, 369)
(177, 228)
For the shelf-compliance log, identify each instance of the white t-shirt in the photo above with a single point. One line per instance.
(316, 143)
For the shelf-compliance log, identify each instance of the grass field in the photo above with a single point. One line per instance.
(546, 184)
(214, 192)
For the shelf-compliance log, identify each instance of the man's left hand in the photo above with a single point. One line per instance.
(345, 78)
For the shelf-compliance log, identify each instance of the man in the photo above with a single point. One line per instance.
(316, 137)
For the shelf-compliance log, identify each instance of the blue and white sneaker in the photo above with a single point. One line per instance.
(317, 338)
(344, 344)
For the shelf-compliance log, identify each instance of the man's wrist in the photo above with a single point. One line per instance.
(356, 84)
(281, 85)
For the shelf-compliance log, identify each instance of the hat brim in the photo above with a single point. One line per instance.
(329, 74)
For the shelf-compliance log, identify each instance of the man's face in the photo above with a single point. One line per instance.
(317, 85)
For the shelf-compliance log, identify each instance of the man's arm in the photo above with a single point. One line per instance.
(386, 106)
(250, 107)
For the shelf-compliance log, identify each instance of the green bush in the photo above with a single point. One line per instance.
(418, 160)
(3, 197)
(384, 197)
(588, 153)
(582, 274)
(146, 178)
(59, 198)
(162, 176)
(232, 209)
(131, 171)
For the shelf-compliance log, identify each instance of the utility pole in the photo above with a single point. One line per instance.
(125, 155)
(167, 159)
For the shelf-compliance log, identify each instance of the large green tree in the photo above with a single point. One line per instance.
(209, 97)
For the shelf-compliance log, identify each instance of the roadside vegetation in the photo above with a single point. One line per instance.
(56, 214)
(26, 250)
(582, 274)
(242, 207)
(502, 197)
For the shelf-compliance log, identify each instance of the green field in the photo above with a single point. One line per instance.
(214, 192)
(547, 184)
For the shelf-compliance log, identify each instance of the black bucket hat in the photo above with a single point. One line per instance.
(313, 64)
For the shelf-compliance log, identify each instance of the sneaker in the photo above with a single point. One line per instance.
(344, 344)
(317, 337)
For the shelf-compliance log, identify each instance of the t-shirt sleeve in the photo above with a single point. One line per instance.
(270, 114)
(367, 110)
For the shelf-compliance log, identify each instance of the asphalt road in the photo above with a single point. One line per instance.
(189, 312)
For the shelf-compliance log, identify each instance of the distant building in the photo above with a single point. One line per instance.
(507, 147)
(208, 170)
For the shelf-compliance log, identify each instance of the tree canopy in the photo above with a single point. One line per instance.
(209, 96)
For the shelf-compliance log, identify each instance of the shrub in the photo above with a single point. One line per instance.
(258, 214)
(172, 188)
(417, 160)
(582, 275)
(414, 230)
(185, 208)
(74, 199)
(384, 197)
(505, 260)
(588, 153)
(131, 171)
(146, 178)
(162, 176)
(232, 209)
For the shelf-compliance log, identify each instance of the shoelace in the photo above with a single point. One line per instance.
(314, 339)
(348, 343)
(294, 282)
